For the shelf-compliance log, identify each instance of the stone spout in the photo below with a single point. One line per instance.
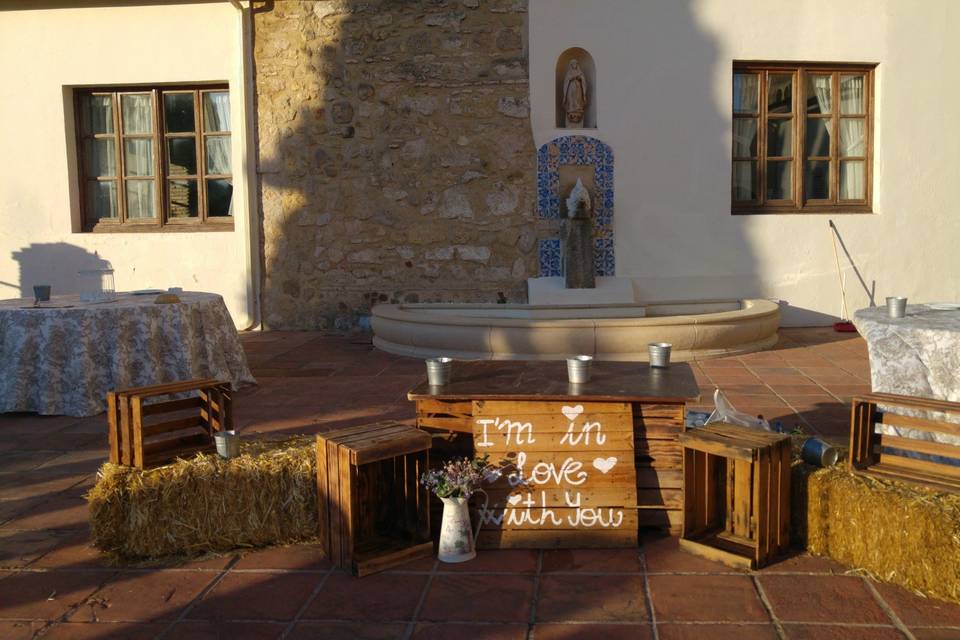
(577, 237)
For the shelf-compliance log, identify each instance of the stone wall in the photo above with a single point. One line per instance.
(396, 161)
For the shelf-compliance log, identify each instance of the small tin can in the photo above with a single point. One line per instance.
(819, 453)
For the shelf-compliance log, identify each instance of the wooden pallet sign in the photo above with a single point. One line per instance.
(565, 474)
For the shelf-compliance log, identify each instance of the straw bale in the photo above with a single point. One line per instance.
(896, 532)
(265, 496)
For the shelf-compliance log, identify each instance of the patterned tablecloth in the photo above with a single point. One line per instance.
(61, 358)
(918, 355)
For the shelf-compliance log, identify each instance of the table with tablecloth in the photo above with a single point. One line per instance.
(63, 356)
(917, 355)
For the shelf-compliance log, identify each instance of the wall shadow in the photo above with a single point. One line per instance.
(870, 290)
(57, 264)
(662, 118)
(396, 162)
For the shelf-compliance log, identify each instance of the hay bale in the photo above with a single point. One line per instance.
(265, 496)
(897, 532)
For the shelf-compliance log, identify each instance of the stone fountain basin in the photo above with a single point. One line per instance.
(697, 329)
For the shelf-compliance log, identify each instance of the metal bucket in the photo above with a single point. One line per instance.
(438, 371)
(228, 444)
(578, 369)
(41, 293)
(896, 307)
(817, 452)
(659, 354)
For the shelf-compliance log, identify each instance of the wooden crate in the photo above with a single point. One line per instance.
(932, 464)
(659, 461)
(147, 434)
(736, 493)
(373, 512)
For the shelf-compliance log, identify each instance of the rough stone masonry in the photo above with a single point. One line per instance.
(396, 160)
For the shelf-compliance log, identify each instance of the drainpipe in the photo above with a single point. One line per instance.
(252, 251)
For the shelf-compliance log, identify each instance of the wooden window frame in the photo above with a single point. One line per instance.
(162, 222)
(798, 203)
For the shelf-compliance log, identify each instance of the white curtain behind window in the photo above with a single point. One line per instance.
(744, 136)
(745, 89)
(851, 94)
(821, 89)
(216, 111)
(218, 155)
(853, 132)
(216, 117)
(140, 202)
(743, 181)
(138, 156)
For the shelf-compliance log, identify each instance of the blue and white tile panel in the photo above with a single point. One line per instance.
(577, 150)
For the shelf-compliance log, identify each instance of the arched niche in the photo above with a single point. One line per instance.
(585, 62)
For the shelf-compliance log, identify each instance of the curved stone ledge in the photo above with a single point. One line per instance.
(697, 329)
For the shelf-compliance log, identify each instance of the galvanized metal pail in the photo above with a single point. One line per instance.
(438, 371)
(41, 292)
(659, 354)
(578, 369)
(228, 444)
(896, 306)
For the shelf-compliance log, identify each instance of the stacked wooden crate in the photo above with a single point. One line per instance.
(930, 461)
(373, 512)
(736, 494)
(144, 432)
(659, 461)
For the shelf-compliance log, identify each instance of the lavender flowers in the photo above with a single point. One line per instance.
(459, 478)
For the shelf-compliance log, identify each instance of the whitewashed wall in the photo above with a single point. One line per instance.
(44, 51)
(663, 104)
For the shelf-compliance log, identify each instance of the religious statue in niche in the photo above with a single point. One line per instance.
(574, 95)
(577, 237)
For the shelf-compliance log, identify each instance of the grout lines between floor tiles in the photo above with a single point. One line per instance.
(198, 598)
(887, 609)
(73, 609)
(781, 633)
(535, 596)
(313, 596)
(412, 625)
(648, 596)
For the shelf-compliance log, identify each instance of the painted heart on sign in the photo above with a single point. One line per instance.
(572, 412)
(514, 499)
(604, 464)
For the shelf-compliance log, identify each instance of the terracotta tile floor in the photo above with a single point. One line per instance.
(53, 585)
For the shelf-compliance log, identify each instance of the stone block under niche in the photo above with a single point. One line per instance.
(609, 290)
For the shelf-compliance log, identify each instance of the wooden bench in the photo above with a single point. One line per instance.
(933, 464)
(146, 435)
(736, 493)
(373, 512)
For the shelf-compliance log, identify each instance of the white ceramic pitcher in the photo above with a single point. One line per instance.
(456, 534)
